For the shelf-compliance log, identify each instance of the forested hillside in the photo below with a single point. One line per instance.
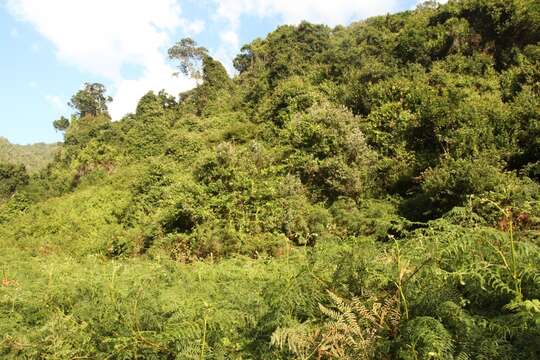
(35, 157)
(361, 192)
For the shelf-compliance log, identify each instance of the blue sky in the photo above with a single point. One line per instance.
(51, 47)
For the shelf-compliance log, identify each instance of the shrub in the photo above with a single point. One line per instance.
(12, 177)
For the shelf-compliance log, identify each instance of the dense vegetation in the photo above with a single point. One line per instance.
(362, 192)
(35, 157)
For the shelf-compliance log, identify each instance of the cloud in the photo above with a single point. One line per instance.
(101, 37)
(228, 48)
(155, 77)
(319, 11)
(57, 103)
(192, 27)
(230, 38)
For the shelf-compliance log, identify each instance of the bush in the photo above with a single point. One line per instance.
(12, 177)
(451, 183)
(330, 153)
(290, 96)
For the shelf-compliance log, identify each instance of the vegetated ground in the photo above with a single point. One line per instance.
(363, 192)
(35, 157)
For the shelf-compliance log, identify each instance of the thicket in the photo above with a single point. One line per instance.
(362, 192)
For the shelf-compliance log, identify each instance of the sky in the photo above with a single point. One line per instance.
(50, 48)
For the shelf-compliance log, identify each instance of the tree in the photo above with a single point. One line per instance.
(91, 100)
(11, 178)
(244, 60)
(211, 75)
(61, 124)
(190, 56)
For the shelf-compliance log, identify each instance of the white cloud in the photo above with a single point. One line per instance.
(192, 27)
(155, 77)
(228, 48)
(230, 38)
(332, 12)
(33, 84)
(57, 103)
(101, 37)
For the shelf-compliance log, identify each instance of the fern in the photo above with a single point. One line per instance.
(351, 330)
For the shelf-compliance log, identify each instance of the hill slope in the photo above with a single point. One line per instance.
(35, 157)
(362, 192)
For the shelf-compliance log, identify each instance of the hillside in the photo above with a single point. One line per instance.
(360, 192)
(35, 157)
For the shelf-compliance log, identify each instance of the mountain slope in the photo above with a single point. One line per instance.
(35, 157)
(362, 192)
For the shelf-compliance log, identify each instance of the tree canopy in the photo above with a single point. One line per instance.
(190, 57)
(90, 101)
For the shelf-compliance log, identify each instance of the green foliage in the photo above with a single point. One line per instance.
(290, 96)
(12, 177)
(378, 219)
(61, 124)
(362, 192)
(189, 54)
(426, 338)
(17, 204)
(131, 309)
(90, 101)
(34, 157)
(330, 152)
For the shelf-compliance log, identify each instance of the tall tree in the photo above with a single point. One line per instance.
(191, 57)
(91, 100)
